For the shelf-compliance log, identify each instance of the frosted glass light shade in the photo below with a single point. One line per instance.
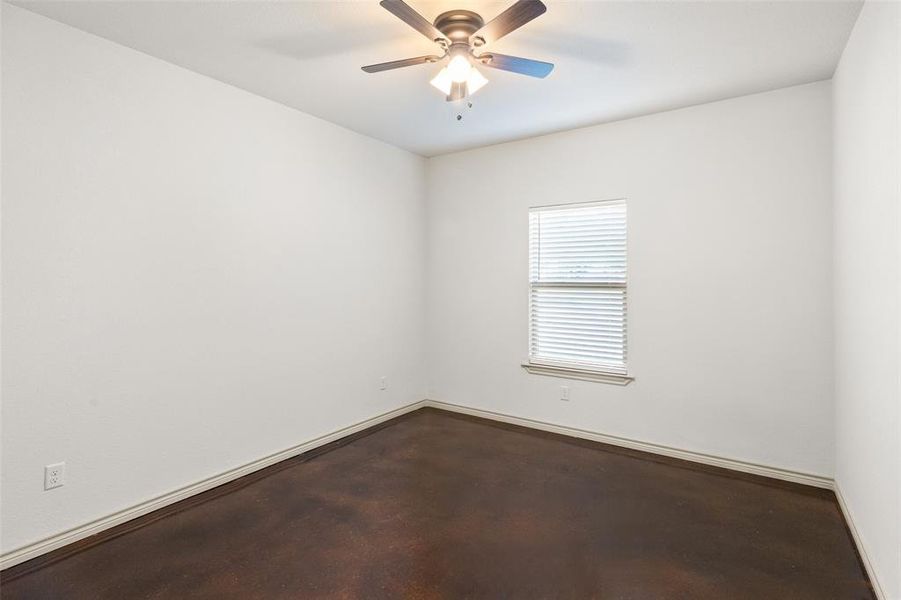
(476, 81)
(443, 81)
(458, 68)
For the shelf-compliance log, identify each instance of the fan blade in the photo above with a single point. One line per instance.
(523, 66)
(458, 92)
(405, 13)
(513, 18)
(397, 64)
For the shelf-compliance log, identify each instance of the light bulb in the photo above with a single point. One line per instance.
(443, 81)
(476, 81)
(459, 68)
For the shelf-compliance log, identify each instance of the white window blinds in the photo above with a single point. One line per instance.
(577, 281)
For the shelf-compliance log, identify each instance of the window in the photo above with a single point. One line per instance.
(577, 291)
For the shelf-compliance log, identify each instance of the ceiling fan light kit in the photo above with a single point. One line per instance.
(458, 34)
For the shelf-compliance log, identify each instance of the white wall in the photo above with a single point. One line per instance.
(730, 313)
(867, 302)
(193, 277)
(194, 270)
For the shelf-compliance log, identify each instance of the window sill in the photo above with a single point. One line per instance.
(576, 373)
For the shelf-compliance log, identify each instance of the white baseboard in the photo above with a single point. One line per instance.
(716, 461)
(46, 545)
(861, 549)
(698, 457)
(707, 459)
(49, 544)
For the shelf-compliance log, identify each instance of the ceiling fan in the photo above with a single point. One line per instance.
(459, 33)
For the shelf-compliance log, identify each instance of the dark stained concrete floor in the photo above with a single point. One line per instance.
(436, 505)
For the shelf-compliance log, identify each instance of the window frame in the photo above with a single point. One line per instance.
(574, 369)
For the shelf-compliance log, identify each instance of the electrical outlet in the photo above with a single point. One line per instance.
(383, 384)
(54, 475)
(564, 392)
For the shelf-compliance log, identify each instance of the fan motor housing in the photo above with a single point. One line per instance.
(458, 25)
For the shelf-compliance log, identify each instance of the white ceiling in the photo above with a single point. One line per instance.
(614, 60)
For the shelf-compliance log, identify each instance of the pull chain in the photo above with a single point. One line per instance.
(467, 107)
